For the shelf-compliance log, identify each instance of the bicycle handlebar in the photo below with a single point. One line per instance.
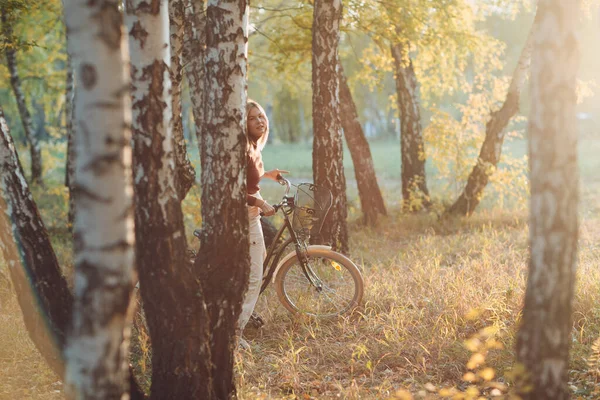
(283, 182)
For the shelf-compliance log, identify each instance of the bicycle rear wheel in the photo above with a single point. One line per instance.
(332, 284)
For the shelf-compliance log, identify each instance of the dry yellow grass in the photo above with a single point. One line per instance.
(430, 285)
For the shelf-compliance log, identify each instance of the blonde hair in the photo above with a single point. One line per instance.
(251, 104)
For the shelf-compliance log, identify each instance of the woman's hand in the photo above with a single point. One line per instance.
(267, 209)
(273, 173)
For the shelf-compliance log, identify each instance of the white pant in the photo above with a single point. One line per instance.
(257, 257)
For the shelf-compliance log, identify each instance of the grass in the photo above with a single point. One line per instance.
(430, 286)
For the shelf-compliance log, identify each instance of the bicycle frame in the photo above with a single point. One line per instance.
(275, 251)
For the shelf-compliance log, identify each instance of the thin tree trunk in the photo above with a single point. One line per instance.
(223, 258)
(328, 169)
(186, 174)
(170, 290)
(371, 201)
(15, 81)
(193, 57)
(544, 338)
(41, 289)
(415, 194)
(98, 345)
(491, 150)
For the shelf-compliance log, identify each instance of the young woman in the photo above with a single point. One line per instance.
(258, 132)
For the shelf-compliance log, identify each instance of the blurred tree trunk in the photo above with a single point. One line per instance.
(223, 259)
(328, 169)
(491, 150)
(186, 174)
(193, 58)
(69, 114)
(544, 337)
(41, 289)
(170, 290)
(371, 201)
(97, 350)
(15, 81)
(415, 194)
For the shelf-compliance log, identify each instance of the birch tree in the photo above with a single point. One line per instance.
(328, 169)
(371, 200)
(544, 337)
(491, 149)
(223, 258)
(170, 291)
(185, 174)
(42, 292)
(412, 149)
(7, 18)
(97, 347)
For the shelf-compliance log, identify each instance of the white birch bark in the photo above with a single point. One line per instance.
(97, 348)
(148, 26)
(328, 170)
(223, 258)
(544, 338)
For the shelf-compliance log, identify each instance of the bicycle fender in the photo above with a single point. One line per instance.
(313, 249)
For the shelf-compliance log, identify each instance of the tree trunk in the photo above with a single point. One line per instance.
(371, 201)
(328, 169)
(544, 337)
(15, 81)
(41, 289)
(69, 114)
(170, 291)
(98, 345)
(414, 184)
(193, 57)
(491, 150)
(223, 259)
(186, 174)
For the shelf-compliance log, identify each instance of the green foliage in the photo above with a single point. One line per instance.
(39, 39)
(453, 144)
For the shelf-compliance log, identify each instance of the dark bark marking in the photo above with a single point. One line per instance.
(88, 75)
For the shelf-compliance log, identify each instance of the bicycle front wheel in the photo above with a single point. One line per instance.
(329, 285)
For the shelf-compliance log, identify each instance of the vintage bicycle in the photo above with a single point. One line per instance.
(309, 279)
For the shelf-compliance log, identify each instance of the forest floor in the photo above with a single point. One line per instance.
(442, 298)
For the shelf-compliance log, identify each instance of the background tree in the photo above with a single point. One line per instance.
(97, 349)
(371, 200)
(8, 14)
(328, 169)
(544, 337)
(414, 184)
(223, 259)
(495, 131)
(170, 292)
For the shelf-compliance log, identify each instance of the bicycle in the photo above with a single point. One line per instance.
(310, 279)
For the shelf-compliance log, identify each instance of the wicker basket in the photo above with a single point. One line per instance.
(311, 205)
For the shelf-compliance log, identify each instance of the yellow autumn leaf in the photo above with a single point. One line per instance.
(487, 374)
(476, 360)
(469, 377)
